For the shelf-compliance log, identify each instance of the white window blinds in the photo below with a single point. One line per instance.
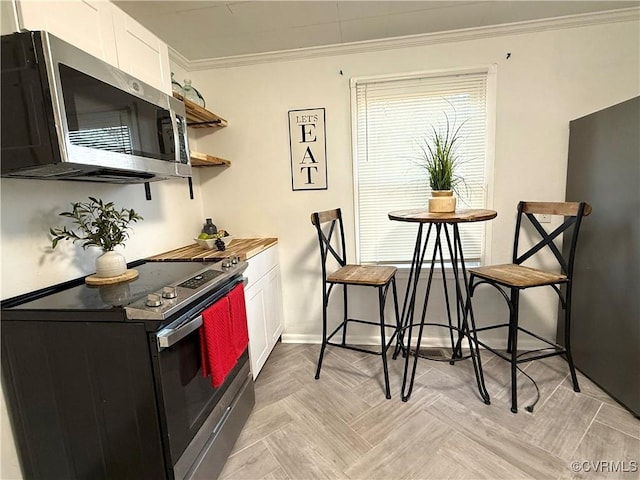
(393, 118)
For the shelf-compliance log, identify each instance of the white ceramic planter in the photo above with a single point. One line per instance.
(442, 201)
(110, 264)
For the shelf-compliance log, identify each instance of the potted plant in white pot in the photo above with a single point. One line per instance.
(99, 224)
(441, 161)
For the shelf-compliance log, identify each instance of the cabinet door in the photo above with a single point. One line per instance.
(140, 52)
(273, 286)
(264, 306)
(86, 24)
(257, 313)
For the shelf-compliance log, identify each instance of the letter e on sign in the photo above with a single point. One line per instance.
(307, 144)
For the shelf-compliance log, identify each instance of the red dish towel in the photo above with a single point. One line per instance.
(216, 342)
(239, 330)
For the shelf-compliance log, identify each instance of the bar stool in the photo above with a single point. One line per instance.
(512, 278)
(378, 277)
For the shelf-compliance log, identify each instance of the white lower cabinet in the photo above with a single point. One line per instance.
(263, 297)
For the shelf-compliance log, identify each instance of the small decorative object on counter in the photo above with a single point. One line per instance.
(209, 228)
(191, 94)
(99, 224)
(176, 87)
(218, 240)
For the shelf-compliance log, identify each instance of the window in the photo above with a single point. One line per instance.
(392, 118)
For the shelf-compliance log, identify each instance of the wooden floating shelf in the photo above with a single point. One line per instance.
(198, 117)
(204, 160)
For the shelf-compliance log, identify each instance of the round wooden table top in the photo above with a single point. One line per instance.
(422, 215)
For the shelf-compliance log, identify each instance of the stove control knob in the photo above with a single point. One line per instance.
(169, 292)
(235, 260)
(154, 300)
(226, 263)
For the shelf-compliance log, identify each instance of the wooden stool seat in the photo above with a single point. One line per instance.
(513, 275)
(369, 275)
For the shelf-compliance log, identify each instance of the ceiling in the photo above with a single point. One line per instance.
(213, 29)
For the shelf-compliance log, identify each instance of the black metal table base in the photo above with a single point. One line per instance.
(463, 309)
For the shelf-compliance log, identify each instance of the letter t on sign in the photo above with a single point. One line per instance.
(307, 143)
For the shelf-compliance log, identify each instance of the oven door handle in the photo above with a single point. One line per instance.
(171, 336)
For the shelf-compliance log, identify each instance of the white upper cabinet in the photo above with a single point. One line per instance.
(86, 24)
(140, 52)
(103, 30)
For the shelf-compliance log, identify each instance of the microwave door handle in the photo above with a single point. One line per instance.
(176, 137)
(170, 336)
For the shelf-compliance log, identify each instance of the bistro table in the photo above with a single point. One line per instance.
(446, 223)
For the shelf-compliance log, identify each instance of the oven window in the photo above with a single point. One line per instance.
(188, 397)
(182, 369)
(100, 116)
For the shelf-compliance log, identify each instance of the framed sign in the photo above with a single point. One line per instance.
(307, 142)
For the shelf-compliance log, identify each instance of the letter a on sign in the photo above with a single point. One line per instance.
(308, 149)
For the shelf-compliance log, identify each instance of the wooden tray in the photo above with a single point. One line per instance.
(125, 277)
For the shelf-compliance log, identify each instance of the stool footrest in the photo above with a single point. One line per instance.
(366, 322)
(360, 349)
(557, 350)
(524, 330)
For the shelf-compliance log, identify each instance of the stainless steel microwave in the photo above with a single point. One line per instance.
(71, 116)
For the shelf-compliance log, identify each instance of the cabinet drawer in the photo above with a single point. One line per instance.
(261, 264)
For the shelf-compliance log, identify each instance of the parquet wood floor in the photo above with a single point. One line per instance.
(342, 427)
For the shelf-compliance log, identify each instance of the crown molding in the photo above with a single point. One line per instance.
(531, 26)
(179, 59)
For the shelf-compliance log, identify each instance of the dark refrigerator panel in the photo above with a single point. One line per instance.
(604, 170)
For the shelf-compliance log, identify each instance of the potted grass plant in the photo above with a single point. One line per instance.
(98, 224)
(439, 158)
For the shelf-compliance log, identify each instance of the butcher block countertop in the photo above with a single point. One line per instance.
(245, 248)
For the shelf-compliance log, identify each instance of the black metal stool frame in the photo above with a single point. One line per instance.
(512, 298)
(327, 287)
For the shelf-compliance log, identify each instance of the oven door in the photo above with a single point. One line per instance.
(187, 399)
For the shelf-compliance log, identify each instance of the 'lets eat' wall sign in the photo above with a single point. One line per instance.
(308, 149)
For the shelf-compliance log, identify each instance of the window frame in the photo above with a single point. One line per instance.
(491, 109)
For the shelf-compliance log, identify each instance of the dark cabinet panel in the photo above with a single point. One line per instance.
(82, 400)
(604, 170)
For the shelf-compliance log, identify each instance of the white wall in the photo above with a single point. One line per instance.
(551, 77)
(30, 207)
